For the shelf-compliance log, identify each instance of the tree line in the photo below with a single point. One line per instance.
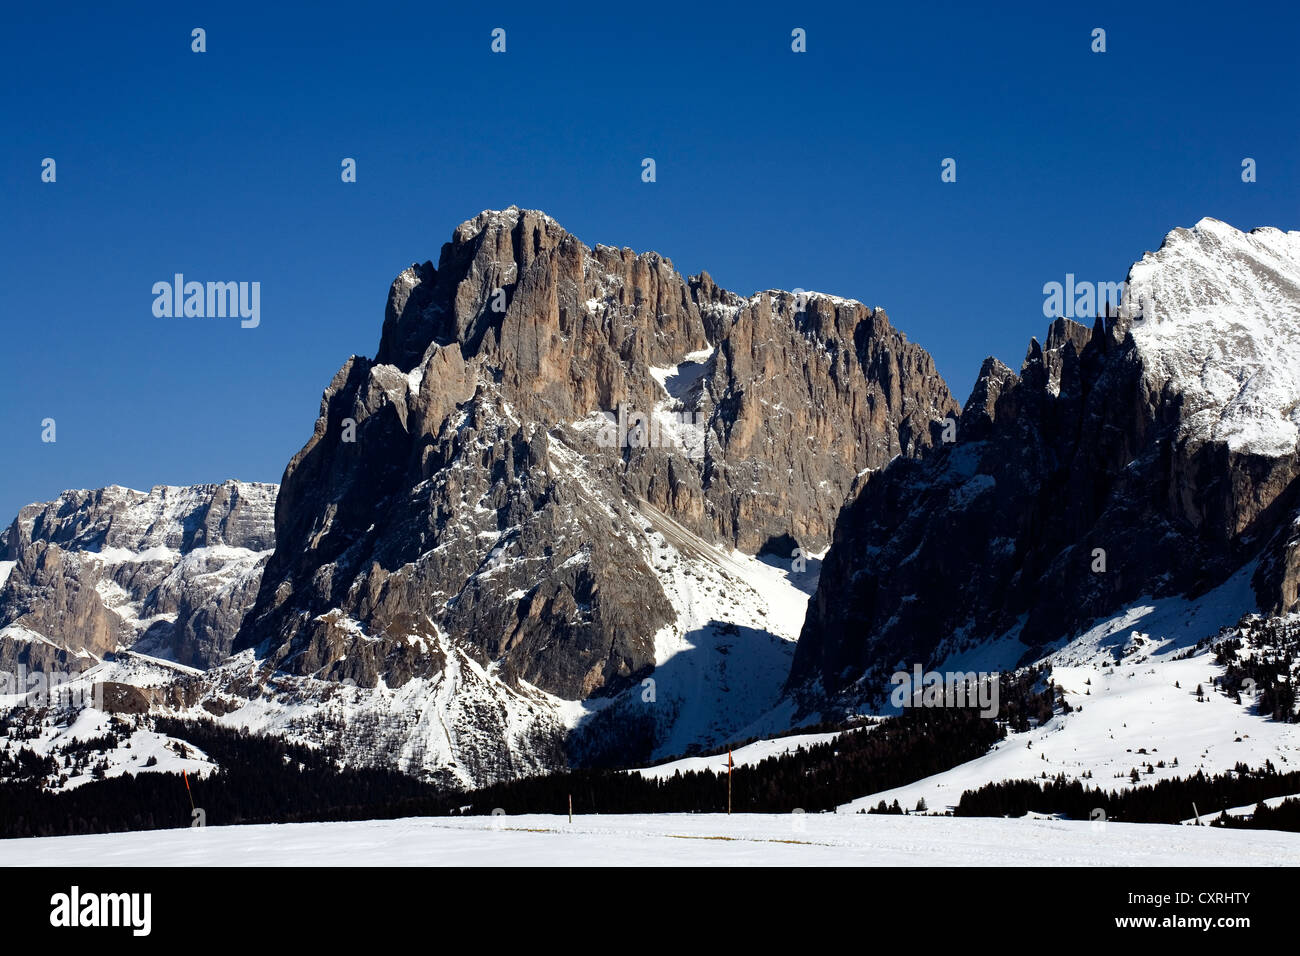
(1167, 801)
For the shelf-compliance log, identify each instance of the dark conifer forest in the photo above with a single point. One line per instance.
(1167, 801)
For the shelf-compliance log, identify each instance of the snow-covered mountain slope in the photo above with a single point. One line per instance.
(1220, 327)
(720, 666)
(453, 729)
(89, 744)
(170, 571)
(748, 839)
(1142, 697)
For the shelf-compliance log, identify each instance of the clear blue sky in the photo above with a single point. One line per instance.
(775, 169)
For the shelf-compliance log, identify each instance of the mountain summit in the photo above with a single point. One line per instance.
(485, 500)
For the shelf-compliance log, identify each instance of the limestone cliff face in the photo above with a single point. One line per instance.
(468, 483)
(170, 571)
(1154, 454)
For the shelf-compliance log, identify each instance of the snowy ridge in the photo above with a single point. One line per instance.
(1225, 332)
(75, 738)
(119, 520)
(422, 727)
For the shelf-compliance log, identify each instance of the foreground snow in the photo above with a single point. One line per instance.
(671, 840)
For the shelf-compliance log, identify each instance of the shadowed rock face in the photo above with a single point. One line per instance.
(171, 571)
(1109, 440)
(482, 499)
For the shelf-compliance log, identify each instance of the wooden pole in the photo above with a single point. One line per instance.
(570, 808)
(728, 781)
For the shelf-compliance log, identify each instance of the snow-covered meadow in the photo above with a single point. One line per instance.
(672, 840)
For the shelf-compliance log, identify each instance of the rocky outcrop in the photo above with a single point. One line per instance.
(1277, 581)
(51, 616)
(1107, 470)
(171, 571)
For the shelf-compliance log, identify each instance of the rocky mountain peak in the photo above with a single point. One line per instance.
(491, 475)
(1224, 333)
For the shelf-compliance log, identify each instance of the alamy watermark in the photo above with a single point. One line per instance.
(52, 689)
(1082, 300)
(211, 300)
(921, 688)
(74, 909)
(629, 428)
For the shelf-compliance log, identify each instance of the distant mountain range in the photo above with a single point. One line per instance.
(573, 511)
